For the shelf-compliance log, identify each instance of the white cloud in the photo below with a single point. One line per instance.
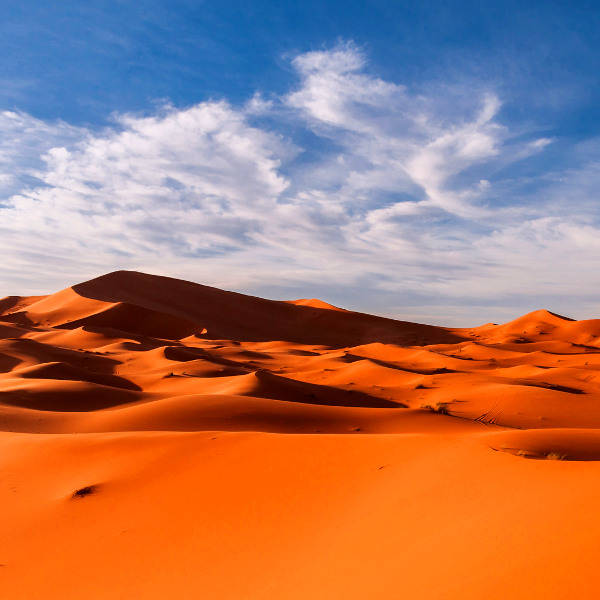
(187, 180)
(391, 140)
(397, 199)
(23, 141)
(541, 143)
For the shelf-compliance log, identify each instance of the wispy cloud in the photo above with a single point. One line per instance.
(357, 187)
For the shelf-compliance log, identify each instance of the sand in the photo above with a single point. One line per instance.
(160, 438)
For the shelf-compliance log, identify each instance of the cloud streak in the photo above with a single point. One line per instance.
(348, 186)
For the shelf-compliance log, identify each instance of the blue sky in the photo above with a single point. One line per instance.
(435, 161)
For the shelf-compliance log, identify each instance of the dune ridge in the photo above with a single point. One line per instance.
(134, 387)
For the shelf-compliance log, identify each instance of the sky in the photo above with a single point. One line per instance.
(431, 161)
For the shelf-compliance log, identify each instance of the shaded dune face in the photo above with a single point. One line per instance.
(232, 316)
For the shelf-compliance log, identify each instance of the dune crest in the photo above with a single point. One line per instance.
(314, 303)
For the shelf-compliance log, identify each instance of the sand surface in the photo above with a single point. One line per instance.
(164, 439)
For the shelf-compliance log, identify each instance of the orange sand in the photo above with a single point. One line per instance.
(160, 439)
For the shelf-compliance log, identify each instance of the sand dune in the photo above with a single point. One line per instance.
(163, 438)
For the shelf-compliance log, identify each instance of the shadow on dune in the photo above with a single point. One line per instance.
(172, 308)
(81, 399)
(18, 318)
(276, 387)
(45, 353)
(64, 372)
(8, 303)
(548, 386)
(8, 363)
(350, 358)
(137, 319)
(8, 332)
(550, 444)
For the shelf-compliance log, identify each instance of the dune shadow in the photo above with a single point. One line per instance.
(276, 387)
(548, 386)
(348, 357)
(93, 398)
(180, 308)
(18, 318)
(83, 359)
(65, 372)
(8, 363)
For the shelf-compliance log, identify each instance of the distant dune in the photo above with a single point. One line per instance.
(161, 438)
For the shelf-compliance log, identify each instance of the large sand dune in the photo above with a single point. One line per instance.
(160, 438)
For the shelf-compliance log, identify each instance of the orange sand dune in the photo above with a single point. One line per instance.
(160, 438)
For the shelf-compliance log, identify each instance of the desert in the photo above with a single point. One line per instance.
(162, 438)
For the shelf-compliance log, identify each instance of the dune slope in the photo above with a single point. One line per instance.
(163, 438)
